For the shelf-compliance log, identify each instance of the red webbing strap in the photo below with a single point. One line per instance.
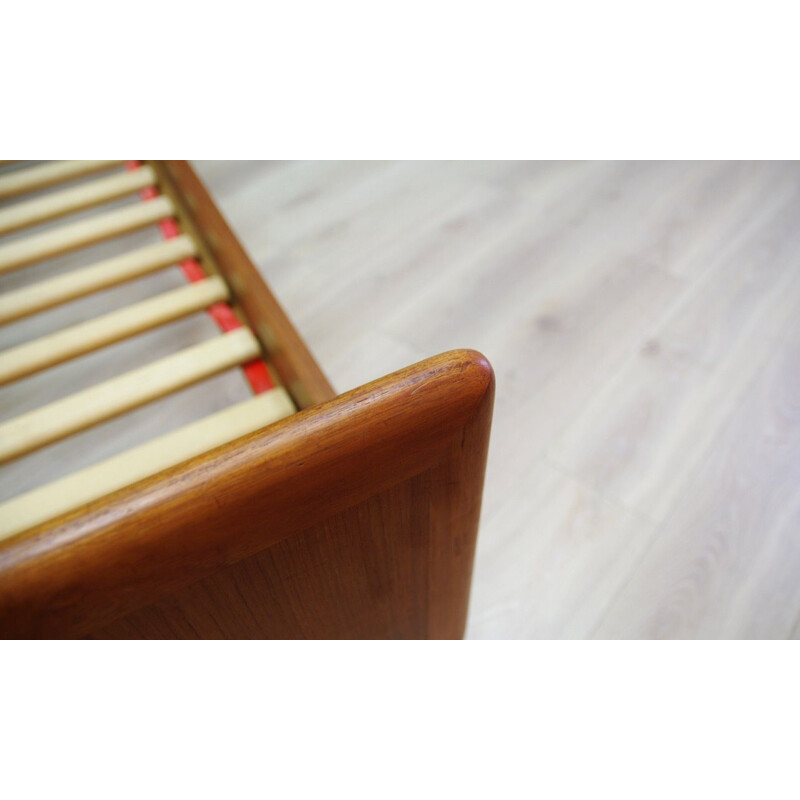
(255, 371)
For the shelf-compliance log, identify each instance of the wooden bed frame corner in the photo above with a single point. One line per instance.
(355, 517)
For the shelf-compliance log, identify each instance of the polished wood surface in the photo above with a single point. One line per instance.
(386, 479)
(642, 320)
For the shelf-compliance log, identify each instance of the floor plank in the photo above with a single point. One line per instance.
(551, 558)
(725, 562)
(654, 420)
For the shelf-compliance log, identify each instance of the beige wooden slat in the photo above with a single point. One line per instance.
(67, 343)
(77, 198)
(65, 238)
(102, 275)
(43, 175)
(75, 490)
(55, 421)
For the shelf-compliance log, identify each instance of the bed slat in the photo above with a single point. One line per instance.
(102, 275)
(43, 175)
(55, 421)
(69, 201)
(117, 472)
(55, 348)
(97, 228)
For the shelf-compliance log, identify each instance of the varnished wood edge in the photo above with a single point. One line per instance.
(120, 553)
(286, 350)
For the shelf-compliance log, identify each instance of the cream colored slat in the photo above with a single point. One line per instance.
(44, 175)
(55, 348)
(96, 228)
(29, 432)
(78, 198)
(80, 282)
(73, 491)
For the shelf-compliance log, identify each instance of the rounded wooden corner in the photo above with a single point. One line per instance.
(481, 372)
(164, 532)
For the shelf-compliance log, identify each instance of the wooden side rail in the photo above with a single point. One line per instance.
(354, 518)
(298, 370)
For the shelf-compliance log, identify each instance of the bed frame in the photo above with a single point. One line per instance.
(349, 516)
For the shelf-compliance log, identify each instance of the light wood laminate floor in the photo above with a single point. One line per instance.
(643, 320)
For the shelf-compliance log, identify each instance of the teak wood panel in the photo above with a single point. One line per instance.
(285, 349)
(357, 517)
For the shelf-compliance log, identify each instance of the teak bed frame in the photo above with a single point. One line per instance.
(299, 513)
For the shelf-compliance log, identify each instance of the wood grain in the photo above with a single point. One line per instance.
(422, 432)
(725, 562)
(575, 548)
(657, 416)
